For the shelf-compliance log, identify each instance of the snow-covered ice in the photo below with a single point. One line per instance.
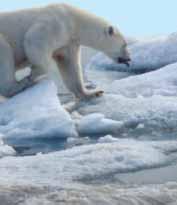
(88, 162)
(34, 113)
(146, 54)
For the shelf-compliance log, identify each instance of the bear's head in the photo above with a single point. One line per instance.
(96, 32)
(113, 44)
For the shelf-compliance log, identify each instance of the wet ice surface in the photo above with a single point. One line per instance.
(121, 147)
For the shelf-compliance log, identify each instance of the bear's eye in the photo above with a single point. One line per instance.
(111, 31)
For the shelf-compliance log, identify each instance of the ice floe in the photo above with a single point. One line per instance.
(36, 112)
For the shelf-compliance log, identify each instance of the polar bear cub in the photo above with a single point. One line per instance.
(52, 35)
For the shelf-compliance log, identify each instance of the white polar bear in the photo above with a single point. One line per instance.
(52, 35)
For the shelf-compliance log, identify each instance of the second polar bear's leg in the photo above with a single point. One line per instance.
(8, 84)
(68, 60)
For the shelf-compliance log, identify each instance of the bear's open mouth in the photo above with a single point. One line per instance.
(125, 61)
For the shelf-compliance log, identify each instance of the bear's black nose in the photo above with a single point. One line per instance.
(125, 61)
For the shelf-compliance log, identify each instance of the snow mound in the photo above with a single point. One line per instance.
(159, 82)
(96, 161)
(35, 112)
(146, 55)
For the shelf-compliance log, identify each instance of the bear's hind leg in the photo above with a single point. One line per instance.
(8, 84)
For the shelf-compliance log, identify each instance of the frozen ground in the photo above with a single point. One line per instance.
(121, 147)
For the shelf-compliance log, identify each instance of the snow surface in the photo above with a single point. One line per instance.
(88, 162)
(146, 54)
(35, 113)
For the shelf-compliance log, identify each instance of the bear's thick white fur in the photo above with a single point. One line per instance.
(50, 36)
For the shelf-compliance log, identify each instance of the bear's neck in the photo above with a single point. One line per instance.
(88, 27)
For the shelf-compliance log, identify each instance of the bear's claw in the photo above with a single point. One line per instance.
(99, 93)
(91, 94)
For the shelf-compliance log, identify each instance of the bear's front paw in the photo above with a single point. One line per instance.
(94, 93)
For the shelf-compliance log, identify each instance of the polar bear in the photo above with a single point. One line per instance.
(42, 37)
